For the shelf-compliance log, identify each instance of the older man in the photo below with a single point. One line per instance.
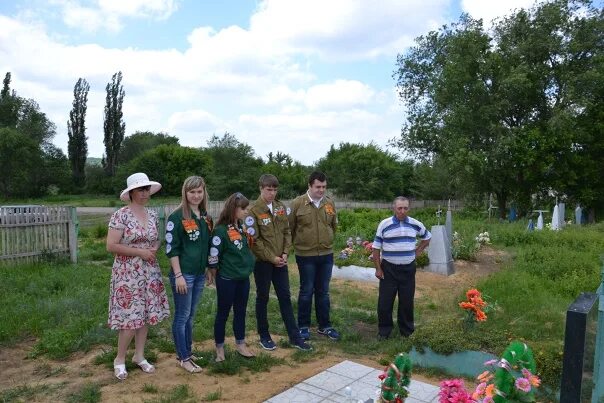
(396, 239)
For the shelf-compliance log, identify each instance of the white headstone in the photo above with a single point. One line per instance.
(561, 219)
(555, 219)
(540, 221)
(578, 215)
(439, 252)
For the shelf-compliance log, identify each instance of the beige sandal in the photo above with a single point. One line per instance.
(244, 351)
(190, 366)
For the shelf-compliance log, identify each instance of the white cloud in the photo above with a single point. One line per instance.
(344, 29)
(342, 94)
(263, 84)
(490, 9)
(108, 14)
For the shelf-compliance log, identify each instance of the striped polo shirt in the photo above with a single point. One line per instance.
(397, 239)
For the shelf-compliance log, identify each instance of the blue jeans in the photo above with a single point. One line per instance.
(264, 274)
(315, 274)
(185, 306)
(235, 294)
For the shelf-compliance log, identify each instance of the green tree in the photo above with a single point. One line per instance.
(20, 160)
(139, 142)
(9, 104)
(366, 172)
(77, 146)
(113, 123)
(170, 165)
(236, 168)
(498, 109)
(292, 175)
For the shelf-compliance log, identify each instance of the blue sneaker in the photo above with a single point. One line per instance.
(300, 344)
(268, 344)
(305, 333)
(329, 332)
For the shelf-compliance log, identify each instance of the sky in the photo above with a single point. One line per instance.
(280, 75)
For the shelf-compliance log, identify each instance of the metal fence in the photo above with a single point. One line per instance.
(29, 232)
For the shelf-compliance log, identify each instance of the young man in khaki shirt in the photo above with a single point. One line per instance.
(313, 224)
(267, 223)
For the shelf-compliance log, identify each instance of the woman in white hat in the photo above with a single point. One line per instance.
(136, 296)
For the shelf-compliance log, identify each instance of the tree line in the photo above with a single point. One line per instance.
(38, 168)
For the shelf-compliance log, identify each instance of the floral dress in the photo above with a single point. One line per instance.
(136, 293)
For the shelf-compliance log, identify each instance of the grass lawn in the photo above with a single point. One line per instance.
(63, 307)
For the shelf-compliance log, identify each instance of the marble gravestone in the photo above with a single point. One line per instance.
(449, 224)
(578, 215)
(561, 220)
(439, 252)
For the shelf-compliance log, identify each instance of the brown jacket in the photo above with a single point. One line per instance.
(270, 230)
(312, 228)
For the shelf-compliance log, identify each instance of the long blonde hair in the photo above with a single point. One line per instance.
(193, 182)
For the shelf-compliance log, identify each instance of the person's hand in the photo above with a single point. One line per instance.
(210, 276)
(147, 254)
(379, 273)
(181, 285)
(278, 261)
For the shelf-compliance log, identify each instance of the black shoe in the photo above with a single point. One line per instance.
(268, 344)
(300, 344)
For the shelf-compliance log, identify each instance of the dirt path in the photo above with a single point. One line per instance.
(56, 380)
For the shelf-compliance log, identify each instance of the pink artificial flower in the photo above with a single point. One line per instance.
(480, 388)
(523, 384)
(526, 373)
(490, 362)
(488, 399)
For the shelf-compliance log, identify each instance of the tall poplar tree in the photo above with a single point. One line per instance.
(113, 124)
(76, 130)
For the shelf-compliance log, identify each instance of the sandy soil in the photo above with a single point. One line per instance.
(64, 378)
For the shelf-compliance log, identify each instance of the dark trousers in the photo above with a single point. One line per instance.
(264, 274)
(398, 280)
(231, 293)
(315, 275)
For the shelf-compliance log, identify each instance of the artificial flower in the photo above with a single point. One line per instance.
(523, 384)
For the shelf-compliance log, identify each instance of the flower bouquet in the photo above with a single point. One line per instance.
(475, 307)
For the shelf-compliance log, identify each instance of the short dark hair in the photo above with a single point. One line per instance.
(316, 176)
(268, 180)
(401, 199)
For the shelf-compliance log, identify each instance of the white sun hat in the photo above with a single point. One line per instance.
(138, 180)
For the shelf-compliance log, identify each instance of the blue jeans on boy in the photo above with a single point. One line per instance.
(185, 306)
(264, 274)
(235, 294)
(315, 275)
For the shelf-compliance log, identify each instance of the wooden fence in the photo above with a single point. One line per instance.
(29, 232)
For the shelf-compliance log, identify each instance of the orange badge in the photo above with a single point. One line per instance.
(263, 216)
(190, 225)
(233, 234)
(329, 209)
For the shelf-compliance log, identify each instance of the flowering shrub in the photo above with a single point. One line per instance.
(483, 238)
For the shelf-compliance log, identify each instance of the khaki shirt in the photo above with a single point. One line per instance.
(270, 230)
(312, 228)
